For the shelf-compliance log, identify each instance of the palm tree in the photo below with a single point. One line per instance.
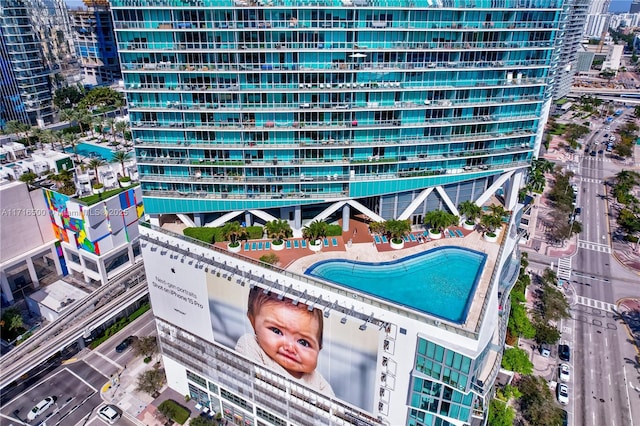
(94, 164)
(71, 139)
(278, 230)
(120, 157)
(315, 231)
(439, 219)
(396, 229)
(498, 211)
(111, 123)
(28, 178)
(121, 127)
(490, 222)
(232, 232)
(470, 210)
(84, 119)
(18, 128)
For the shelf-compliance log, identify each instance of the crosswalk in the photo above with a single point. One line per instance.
(588, 245)
(585, 301)
(591, 180)
(564, 268)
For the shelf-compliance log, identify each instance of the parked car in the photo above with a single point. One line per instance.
(564, 352)
(110, 413)
(124, 345)
(545, 351)
(565, 373)
(41, 407)
(563, 394)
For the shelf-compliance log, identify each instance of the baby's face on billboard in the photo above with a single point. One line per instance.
(289, 336)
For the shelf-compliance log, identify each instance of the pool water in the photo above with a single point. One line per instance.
(439, 282)
(90, 150)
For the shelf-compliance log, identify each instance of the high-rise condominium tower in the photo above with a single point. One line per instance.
(319, 109)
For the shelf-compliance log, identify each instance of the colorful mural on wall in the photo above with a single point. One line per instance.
(99, 227)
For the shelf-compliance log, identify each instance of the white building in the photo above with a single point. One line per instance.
(28, 246)
(387, 361)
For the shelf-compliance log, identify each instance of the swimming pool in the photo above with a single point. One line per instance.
(439, 282)
(90, 150)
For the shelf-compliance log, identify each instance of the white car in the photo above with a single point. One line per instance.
(41, 407)
(565, 374)
(110, 414)
(563, 394)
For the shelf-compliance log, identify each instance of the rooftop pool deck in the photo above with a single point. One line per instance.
(449, 275)
(364, 252)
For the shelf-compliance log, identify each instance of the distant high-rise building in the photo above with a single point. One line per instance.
(575, 18)
(635, 6)
(95, 43)
(597, 7)
(25, 89)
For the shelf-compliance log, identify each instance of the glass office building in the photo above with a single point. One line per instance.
(393, 108)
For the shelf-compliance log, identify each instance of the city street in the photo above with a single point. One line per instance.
(77, 385)
(605, 376)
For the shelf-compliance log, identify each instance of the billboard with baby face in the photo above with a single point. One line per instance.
(294, 339)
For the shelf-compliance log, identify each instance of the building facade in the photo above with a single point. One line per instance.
(383, 363)
(288, 109)
(99, 240)
(95, 43)
(25, 87)
(576, 15)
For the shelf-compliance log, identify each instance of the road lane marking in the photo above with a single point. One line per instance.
(598, 304)
(106, 358)
(82, 380)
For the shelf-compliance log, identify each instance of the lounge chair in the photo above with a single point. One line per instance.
(326, 242)
(246, 246)
(459, 233)
(253, 246)
(267, 245)
(288, 244)
(451, 233)
(334, 242)
(260, 245)
(384, 239)
(303, 243)
(296, 244)
(405, 238)
(377, 239)
(412, 238)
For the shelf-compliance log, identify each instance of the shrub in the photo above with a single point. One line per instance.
(204, 234)
(254, 232)
(124, 179)
(270, 258)
(174, 411)
(334, 230)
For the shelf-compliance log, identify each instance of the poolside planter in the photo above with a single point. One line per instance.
(491, 238)
(435, 235)
(468, 226)
(235, 249)
(397, 246)
(316, 246)
(98, 190)
(277, 247)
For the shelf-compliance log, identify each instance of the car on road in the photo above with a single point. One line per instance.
(110, 414)
(124, 345)
(565, 373)
(601, 151)
(563, 394)
(41, 407)
(592, 153)
(564, 352)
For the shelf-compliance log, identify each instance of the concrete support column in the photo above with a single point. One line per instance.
(297, 217)
(248, 218)
(346, 213)
(56, 260)
(32, 273)
(6, 288)
(154, 219)
(198, 219)
(512, 187)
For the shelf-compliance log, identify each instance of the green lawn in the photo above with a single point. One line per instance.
(92, 199)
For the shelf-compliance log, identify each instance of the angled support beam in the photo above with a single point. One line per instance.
(414, 204)
(493, 188)
(452, 207)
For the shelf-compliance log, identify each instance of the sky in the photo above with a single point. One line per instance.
(616, 6)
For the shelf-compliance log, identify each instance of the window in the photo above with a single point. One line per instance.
(197, 379)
